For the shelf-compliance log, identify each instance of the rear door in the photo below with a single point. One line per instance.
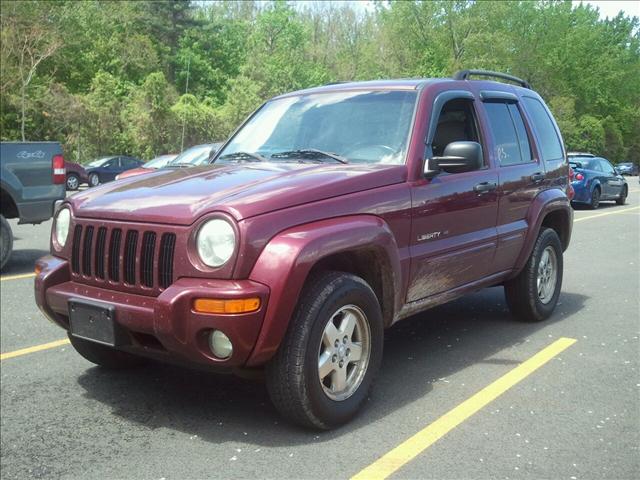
(521, 173)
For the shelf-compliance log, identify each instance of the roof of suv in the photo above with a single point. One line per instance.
(393, 84)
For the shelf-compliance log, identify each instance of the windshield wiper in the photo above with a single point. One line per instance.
(250, 157)
(310, 153)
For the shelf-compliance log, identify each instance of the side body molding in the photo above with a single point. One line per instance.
(549, 201)
(286, 261)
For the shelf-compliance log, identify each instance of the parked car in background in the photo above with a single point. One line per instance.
(595, 179)
(150, 166)
(330, 215)
(76, 175)
(105, 169)
(32, 179)
(194, 156)
(627, 168)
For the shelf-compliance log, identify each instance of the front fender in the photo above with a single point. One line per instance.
(548, 201)
(286, 261)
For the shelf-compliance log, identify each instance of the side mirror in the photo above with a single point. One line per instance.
(457, 157)
(617, 171)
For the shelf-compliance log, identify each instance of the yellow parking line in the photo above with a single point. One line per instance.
(17, 277)
(412, 447)
(35, 348)
(605, 213)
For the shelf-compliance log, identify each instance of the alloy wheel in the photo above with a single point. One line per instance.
(343, 354)
(547, 275)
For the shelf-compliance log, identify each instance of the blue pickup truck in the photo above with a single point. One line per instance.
(32, 179)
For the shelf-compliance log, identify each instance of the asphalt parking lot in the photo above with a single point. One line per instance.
(576, 416)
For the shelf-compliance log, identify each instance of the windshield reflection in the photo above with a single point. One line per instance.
(359, 126)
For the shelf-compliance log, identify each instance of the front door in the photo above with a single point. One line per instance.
(453, 233)
(612, 182)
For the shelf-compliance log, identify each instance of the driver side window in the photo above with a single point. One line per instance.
(457, 122)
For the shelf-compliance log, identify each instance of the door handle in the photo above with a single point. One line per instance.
(485, 187)
(537, 177)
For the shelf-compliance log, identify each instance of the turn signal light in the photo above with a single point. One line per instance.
(219, 306)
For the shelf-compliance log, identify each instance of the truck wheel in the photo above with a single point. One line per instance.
(94, 180)
(104, 356)
(321, 375)
(623, 196)
(6, 241)
(533, 294)
(73, 181)
(595, 199)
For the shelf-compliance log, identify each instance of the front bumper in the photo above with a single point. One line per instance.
(164, 326)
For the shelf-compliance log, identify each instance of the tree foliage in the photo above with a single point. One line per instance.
(149, 77)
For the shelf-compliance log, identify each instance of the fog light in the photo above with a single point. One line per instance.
(220, 344)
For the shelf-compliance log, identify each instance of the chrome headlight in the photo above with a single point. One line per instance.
(216, 242)
(63, 220)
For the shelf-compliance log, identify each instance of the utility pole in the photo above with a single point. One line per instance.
(184, 115)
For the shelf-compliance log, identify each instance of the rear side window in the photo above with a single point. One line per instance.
(509, 133)
(550, 146)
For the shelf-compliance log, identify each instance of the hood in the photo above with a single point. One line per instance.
(181, 196)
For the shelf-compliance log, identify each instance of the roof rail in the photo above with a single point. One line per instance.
(465, 74)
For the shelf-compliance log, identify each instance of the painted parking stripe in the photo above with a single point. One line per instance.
(35, 348)
(17, 277)
(605, 213)
(418, 443)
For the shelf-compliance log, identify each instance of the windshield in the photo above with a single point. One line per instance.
(192, 156)
(625, 164)
(99, 162)
(159, 162)
(359, 127)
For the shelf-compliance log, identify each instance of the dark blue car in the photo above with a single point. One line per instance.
(105, 169)
(595, 179)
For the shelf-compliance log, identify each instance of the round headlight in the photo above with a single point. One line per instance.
(216, 242)
(63, 220)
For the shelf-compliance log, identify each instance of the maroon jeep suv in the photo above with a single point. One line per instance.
(329, 215)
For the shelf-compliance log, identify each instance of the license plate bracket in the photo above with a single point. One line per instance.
(95, 321)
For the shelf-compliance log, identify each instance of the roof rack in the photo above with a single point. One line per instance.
(465, 74)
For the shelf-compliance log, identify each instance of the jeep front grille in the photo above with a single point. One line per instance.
(128, 257)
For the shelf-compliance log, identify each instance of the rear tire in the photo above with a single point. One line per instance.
(595, 199)
(104, 356)
(315, 379)
(94, 180)
(533, 294)
(73, 181)
(623, 196)
(6, 241)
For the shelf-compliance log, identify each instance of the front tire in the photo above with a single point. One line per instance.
(325, 366)
(6, 241)
(104, 356)
(533, 294)
(623, 196)
(94, 180)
